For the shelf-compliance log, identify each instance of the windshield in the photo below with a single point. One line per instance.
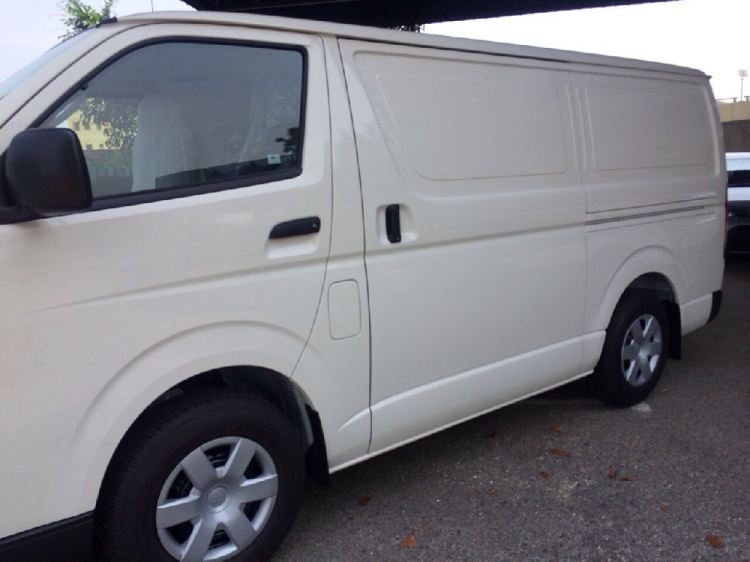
(19, 77)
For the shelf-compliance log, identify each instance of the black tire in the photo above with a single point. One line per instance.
(125, 516)
(609, 376)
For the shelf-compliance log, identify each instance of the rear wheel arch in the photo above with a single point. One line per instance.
(661, 287)
(655, 270)
(635, 349)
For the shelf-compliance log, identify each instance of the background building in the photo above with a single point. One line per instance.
(735, 118)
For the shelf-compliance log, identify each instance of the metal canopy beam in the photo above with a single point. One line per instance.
(391, 13)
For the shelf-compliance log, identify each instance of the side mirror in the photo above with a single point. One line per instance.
(46, 172)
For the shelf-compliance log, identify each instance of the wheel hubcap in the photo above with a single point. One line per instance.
(641, 350)
(216, 500)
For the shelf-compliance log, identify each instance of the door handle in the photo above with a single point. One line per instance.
(296, 227)
(393, 223)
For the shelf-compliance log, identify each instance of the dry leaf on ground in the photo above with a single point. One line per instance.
(557, 452)
(364, 501)
(612, 472)
(543, 473)
(410, 541)
(663, 507)
(555, 427)
(628, 478)
(491, 490)
(714, 540)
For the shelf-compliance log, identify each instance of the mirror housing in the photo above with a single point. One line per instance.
(46, 172)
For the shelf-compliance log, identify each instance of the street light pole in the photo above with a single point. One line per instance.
(742, 72)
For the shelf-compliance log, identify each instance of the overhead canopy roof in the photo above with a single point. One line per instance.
(391, 13)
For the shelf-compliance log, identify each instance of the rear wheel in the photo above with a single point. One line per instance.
(635, 350)
(204, 478)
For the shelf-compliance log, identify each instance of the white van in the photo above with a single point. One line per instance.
(236, 250)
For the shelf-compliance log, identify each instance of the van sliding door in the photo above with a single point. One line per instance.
(473, 214)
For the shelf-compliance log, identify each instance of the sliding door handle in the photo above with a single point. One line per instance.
(393, 223)
(297, 227)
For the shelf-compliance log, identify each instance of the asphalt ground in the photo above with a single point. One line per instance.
(563, 477)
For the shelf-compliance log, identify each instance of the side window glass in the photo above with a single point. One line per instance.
(183, 114)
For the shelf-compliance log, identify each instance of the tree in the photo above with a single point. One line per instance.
(79, 16)
(115, 117)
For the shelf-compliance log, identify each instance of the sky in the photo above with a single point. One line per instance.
(30, 27)
(711, 35)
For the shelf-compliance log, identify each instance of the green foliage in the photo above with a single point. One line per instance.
(291, 142)
(117, 119)
(79, 16)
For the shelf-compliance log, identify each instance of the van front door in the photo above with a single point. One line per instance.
(474, 230)
(198, 149)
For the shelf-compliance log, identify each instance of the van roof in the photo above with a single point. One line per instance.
(403, 38)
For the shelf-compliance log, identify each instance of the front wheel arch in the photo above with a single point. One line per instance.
(265, 384)
(127, 516)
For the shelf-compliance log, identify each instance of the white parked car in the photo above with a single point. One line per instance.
(236, 250)
(738, 202)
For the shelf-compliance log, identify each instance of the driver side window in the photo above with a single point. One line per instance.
(175, 115)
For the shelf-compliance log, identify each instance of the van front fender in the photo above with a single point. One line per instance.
(152, 373)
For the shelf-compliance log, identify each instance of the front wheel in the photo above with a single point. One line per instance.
(204, 478)
(635, 350)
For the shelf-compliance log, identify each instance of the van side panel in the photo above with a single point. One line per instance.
(654, 180)
(649, 140)
(479, 153)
